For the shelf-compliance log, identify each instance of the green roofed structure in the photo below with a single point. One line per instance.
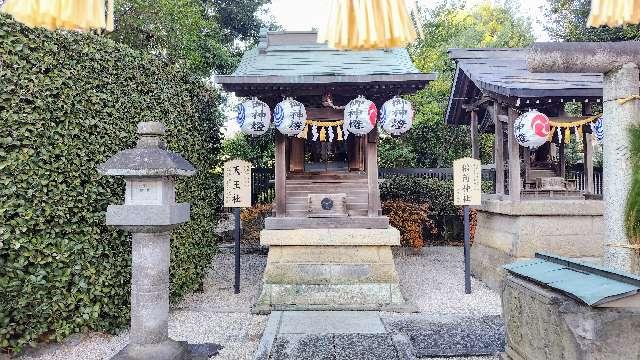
(329, 244)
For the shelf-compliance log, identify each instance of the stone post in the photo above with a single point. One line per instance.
(618, 62)
(149, 213)
(618, 84)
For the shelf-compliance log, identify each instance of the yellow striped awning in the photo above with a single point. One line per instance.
(80, 15)
(368, 24)
(614, 12)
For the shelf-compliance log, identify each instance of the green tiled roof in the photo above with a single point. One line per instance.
(295, 57)
(318, 59)
(294, 63)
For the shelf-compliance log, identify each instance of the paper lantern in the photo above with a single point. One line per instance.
(253, 117)
(289, 117)
(360, 116)
(531, 129)
(597, 128)
(396, 116)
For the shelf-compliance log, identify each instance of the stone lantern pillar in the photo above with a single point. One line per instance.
(149, 212)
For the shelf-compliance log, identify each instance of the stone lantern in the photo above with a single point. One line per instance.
(149, 212)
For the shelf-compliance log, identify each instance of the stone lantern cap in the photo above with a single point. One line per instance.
(149, 158)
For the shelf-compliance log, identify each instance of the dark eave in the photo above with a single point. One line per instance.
(502, 76)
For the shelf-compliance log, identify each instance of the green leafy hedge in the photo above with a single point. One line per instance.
(445, 219)
(68, 102)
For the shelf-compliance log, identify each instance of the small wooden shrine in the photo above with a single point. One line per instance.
(329, 245)
(534, 207)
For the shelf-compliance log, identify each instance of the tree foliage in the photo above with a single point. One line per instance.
(259, 150)
(452, 25)
(202, 35)
(567, 21)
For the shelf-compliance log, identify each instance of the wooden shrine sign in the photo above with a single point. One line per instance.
(467, 191)
(237, 184)
(237, 194)
(467, 182)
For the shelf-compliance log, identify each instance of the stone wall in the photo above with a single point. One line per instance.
(508, 231)
(542, 324)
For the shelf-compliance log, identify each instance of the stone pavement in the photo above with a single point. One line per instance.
(364, 335)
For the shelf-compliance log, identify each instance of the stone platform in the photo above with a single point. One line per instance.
(330, 269)
(544, 324)
(508, 231)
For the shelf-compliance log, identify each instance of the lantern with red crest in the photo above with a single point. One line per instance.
(531, 129)
(360, 116)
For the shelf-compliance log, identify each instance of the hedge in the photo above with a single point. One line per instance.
(445, 219)
(68, 102)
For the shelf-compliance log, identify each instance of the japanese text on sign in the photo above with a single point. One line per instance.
(237, 183)
(467, 182)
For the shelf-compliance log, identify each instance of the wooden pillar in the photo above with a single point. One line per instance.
(515, 184)
(498, 149)
(587, 146)
(296, 155)
(372, 173)
(526, 156)
(281, 174)
(561, 153)
(475, 141)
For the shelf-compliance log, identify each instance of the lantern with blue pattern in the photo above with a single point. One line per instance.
(289, 117)
(396, 116)
(597, 128)
(253, 117)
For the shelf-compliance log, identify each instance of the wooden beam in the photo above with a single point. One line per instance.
(374, 207)
(475, 139)
(587, 146)
(515, 183)
(281, 174)
(498, 148)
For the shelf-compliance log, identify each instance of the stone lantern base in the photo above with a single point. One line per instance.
(330, 269)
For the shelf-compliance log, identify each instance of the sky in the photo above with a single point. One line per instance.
(308, 14)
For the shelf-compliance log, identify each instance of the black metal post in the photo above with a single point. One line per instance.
(467, 260)
(236, 287)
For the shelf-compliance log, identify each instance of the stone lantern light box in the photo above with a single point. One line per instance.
(149, 171)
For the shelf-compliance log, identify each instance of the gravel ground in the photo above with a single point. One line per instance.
(216, 315)
(432, 281)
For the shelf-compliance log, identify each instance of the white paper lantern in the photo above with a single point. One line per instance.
(360, 116)
(597, 128)
(253, 117)
(289, 117)
(396, 116)
(531, 129)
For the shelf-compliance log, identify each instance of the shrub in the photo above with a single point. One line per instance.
(253, 222)
(445, 219)
(68, 102)
(409, 219)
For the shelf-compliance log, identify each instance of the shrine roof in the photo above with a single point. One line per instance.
(502, 74)
(284, 61)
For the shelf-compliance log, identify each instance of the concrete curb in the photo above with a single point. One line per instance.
(268, 337)
(403, 347)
